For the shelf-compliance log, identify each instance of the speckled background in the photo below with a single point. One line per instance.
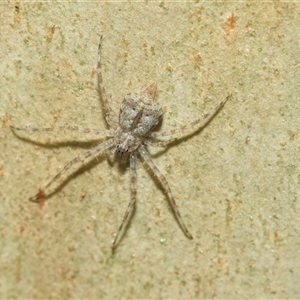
(236, 182)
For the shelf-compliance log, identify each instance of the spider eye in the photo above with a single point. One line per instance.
(121, 150)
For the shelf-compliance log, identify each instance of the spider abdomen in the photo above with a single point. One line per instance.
(139, 114)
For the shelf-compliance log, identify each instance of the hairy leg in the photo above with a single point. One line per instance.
(80, 158)
(110, 115)
(131, 204)
(179, 132)
(162, 179)
(81, 129)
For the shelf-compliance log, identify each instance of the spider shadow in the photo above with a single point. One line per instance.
(166, 148)
(40, 198)
(81, 169)
(55, 145)
(184, 138)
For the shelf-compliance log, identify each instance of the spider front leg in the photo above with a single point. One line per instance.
(181, 131)
(110, 116)
(80, 158)
(163, 181)
(131, 204)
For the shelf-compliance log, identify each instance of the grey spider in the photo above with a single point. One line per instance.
(128, 136)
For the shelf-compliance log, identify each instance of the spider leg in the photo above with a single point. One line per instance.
(131, 204)
(80, 158)
(110, 116)
(81, 129)
(180, 131)
(163, 181)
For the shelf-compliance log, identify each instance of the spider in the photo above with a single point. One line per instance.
(128, 136)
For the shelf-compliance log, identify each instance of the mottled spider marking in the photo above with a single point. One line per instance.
(139, 114)
(128, 135)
